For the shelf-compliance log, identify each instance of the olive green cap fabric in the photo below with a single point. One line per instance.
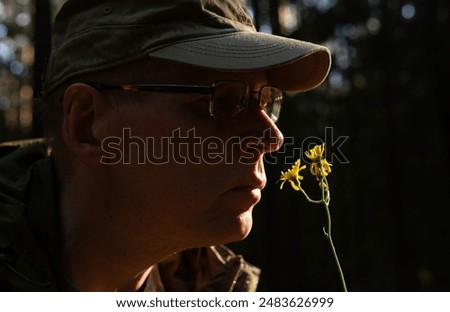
(93, 35)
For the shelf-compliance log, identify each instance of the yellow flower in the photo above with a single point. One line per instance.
(315, 154)
(292, 175)
(319, 167)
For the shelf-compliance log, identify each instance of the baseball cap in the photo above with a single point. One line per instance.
(92, 35)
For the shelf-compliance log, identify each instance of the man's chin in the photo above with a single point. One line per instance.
(242, 228)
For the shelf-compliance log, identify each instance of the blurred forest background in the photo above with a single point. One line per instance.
(387, 93)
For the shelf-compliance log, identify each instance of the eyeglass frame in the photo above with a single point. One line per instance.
(194, 89)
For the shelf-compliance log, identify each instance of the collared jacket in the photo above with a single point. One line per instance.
(30, 240)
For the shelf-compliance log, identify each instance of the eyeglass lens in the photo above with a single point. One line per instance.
(231, 98)
(271, 100)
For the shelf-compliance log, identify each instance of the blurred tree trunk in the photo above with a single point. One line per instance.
(274, 18)
(255, 5)
(42, 45)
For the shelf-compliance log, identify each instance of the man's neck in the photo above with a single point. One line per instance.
(96, 256)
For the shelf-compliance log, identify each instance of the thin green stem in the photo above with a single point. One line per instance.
(309, 199)
(327, 232)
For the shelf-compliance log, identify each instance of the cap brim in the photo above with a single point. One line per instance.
(291, 65)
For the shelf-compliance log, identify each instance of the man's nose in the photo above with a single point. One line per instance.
(272, 139)
(260, 134)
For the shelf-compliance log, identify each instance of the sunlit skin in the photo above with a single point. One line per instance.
(119, 220)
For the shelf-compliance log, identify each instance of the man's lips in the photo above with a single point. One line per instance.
(248, 193)
(252, 189)
(256, 183)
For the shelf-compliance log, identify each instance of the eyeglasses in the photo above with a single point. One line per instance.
(228, 99)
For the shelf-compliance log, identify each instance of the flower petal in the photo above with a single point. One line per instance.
(294, 186)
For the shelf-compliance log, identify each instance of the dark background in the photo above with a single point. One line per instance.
(388, 93)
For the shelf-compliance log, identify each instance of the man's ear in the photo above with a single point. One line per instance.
(82, 106)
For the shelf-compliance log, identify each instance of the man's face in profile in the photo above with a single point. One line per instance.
(191, 177)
